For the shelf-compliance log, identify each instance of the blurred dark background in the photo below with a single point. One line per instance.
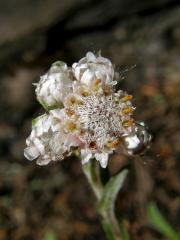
(41, 202)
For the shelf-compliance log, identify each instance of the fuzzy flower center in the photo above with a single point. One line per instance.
(104, 118)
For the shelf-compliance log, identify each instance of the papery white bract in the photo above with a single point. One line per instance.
(86, 113)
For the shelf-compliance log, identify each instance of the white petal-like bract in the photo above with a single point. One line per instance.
(102, 158)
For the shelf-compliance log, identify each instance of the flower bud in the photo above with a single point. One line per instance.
(139, 141)
(92, 70)
(53, 86)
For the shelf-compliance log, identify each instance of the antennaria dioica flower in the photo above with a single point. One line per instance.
(86, 112)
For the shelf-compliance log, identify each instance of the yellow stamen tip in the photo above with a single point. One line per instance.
(128, 123)
(96, 84)
(85, 93)
(73, 100)
(128, 110)
(127, 98)
(112, 144)
(71, 126)
(69, 112)
(107, 90)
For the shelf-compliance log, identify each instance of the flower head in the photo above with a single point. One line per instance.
(93, 71)
(45, 141)
(93, 117)
(54, 85)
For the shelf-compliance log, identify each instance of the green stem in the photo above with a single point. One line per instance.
(108, 230)
(111, 224)
(91, 172)
(109, 221)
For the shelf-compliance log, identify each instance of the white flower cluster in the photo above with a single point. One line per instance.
(84, 113)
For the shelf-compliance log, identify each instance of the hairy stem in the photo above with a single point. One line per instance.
(109, 221)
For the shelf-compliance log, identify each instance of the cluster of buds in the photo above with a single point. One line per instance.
(84, 113)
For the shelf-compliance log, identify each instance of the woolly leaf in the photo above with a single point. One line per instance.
(107, 201)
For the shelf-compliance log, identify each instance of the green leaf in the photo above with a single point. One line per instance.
(58, 64)
(50, 236)
(35, 120)
(108, 230)
(124, 232)
(160, 223)
(47, 107)
(107, 201)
